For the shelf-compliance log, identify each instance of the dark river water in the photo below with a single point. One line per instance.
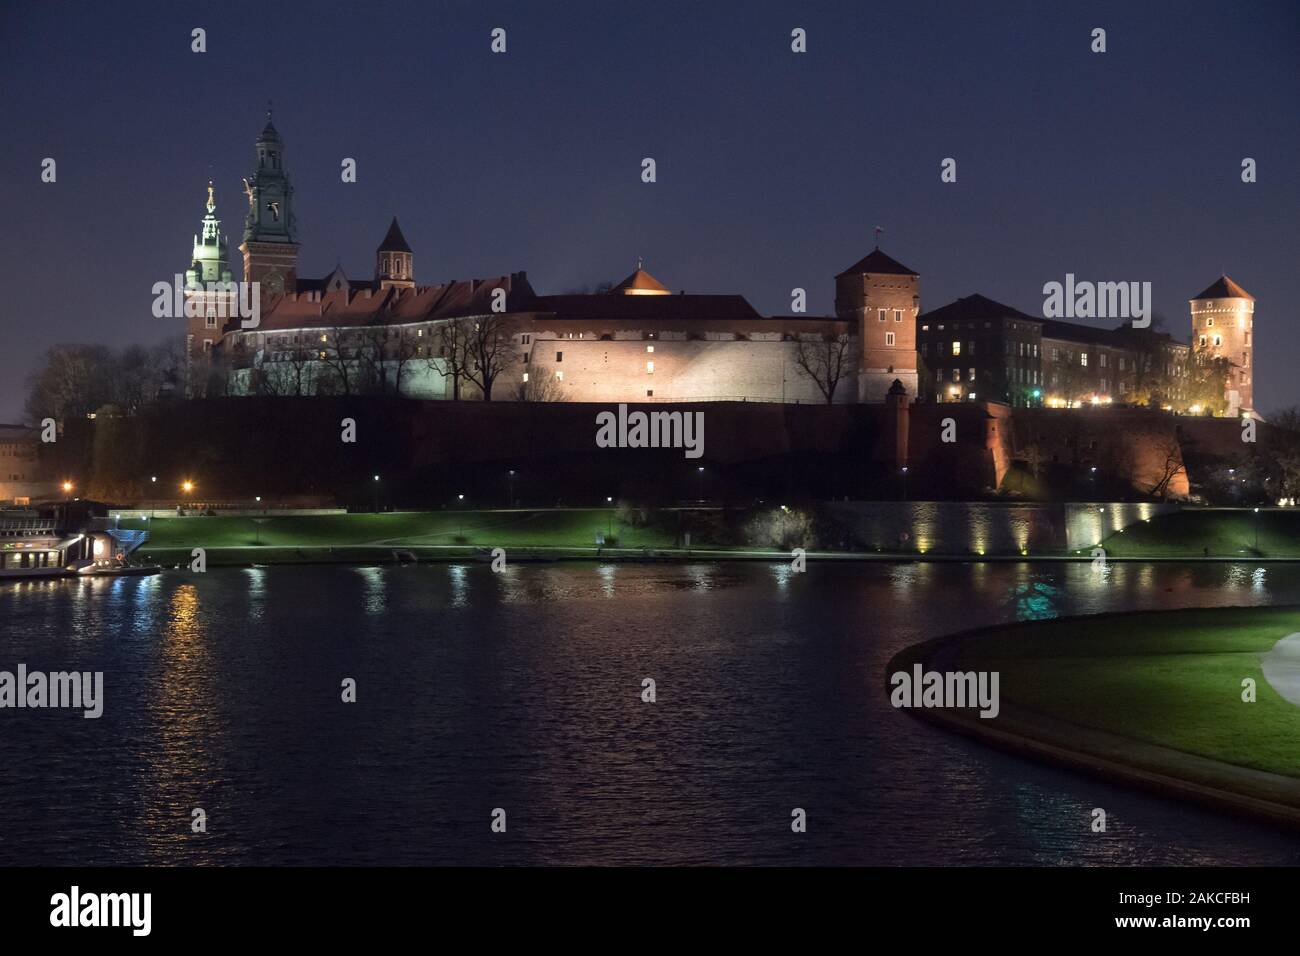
(522, 691)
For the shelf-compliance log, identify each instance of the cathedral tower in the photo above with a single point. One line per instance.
(210, 264)
(394, 261)
(1223, 319)
(880, 298)
(270, 245)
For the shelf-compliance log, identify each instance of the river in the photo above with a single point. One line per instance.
(522, 690)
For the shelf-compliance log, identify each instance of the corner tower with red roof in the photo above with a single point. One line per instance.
(1223, 322)
(880, 297)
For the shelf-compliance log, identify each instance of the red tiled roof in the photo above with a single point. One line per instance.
(344, 308)
(1225, 288)
(877, 263)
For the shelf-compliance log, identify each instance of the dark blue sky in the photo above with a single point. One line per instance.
(774, 168)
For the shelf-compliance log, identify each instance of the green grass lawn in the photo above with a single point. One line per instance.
(522, 529)
(1224, 533)
(1171, 678)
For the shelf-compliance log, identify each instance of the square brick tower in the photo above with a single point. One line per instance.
(1223, 319)
(880, 298)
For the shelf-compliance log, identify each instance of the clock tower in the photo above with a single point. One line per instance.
(270, 245)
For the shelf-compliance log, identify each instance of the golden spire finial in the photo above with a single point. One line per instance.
(212, 203)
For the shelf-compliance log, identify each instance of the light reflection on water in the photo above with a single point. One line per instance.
(523, 689)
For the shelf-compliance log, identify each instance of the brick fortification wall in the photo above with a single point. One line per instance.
(756, 370)
(427, 452)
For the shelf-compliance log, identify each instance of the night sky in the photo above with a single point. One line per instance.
(773, 167)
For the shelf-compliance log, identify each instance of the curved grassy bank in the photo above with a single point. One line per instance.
(1152, 699)
(1199, 533)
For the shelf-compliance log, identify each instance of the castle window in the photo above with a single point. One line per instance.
(525, 376)
(210, 322)
(650, 367)
(1218, 340)
(649, 393)
(889, 339)
(559, 376)
(559, 356)
(882, 314)
(1202, 341)
(1209, 321)
(1101, 361)
(898, 315)
(649, 348)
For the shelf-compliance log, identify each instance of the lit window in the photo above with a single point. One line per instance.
(559, 376)
(1209, 321)
(1083, 359)
(649, 348)
(956, 375)
(649, 366)
(970, 375)
(956, 348)
(525, 376)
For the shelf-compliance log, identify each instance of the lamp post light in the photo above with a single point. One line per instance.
(153, 495)
(512, 487)
(1256, 530)
(904, 482)
(609, 518)
(700, 472)
(460, 516)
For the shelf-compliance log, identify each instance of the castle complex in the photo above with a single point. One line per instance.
(495, 337)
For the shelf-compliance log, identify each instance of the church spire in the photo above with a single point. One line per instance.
(394, 261)
(210, 261)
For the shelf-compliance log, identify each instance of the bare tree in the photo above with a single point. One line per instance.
(539, 387)
(1172, 467)
(453, 358)
(491, 350)
(336, 356)
(824, 360)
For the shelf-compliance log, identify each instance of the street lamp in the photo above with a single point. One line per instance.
(153, 495)
(67, 487)
(376, 487)
(904, 482)
(1256, 530)
(700, 471)
(609, 518)
(512, 487)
